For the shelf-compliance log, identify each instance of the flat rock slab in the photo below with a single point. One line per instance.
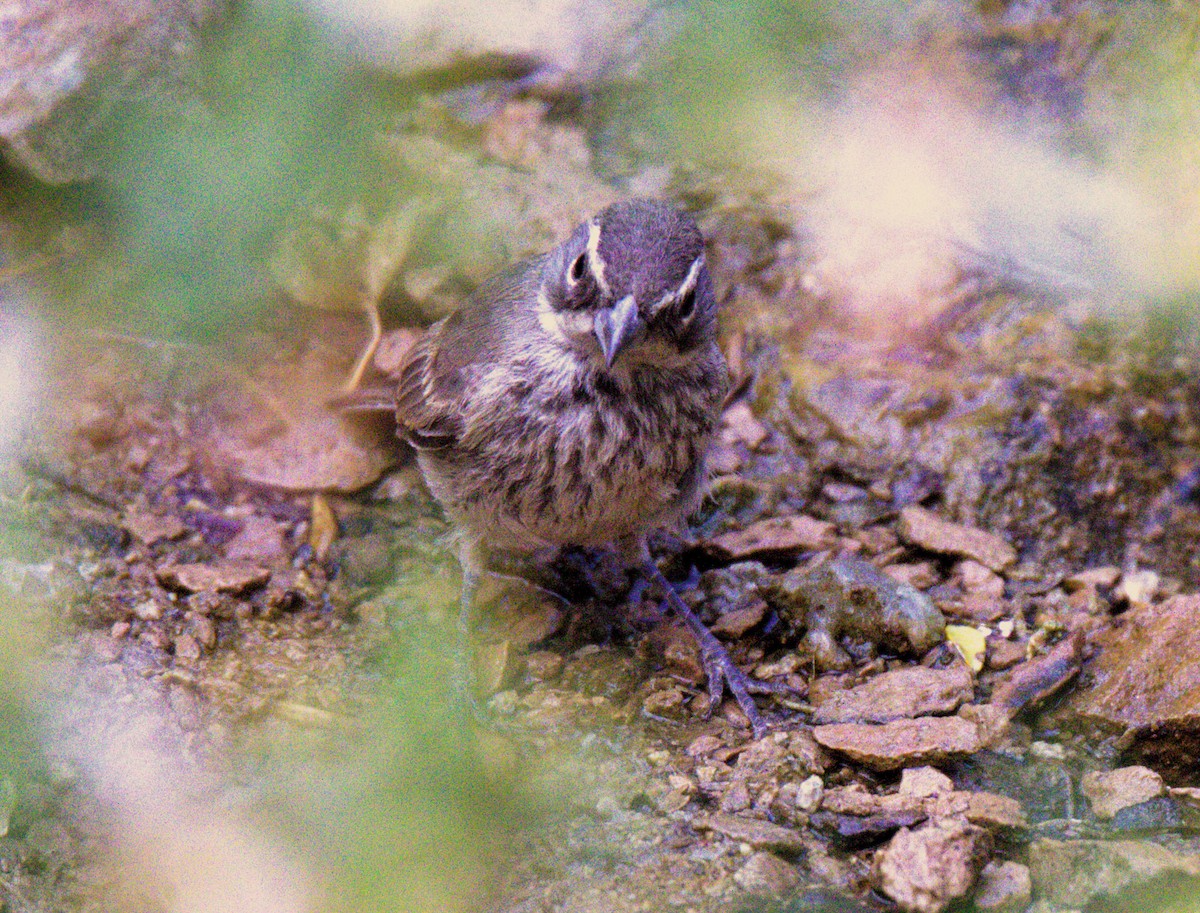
(761, 835)
(774, 536)
(213, 578)
(926, 869)
(1073, 874)
(989, 810)
(926, 530)
(1145, 681)
(902, 743)
(899, 694)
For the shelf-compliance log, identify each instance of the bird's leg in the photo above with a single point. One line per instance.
(719, 666)
(464, 672)
(463, 675)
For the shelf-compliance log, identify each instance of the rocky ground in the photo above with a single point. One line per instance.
(967, 554)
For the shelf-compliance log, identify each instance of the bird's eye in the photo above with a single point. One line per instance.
(687, 305)
(575, 271)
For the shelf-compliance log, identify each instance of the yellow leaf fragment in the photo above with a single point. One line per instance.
(970, 642)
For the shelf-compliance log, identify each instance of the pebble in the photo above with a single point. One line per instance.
(810, 794)
(924, 782)
(767, 875)
(919, 574)
(1093, 578)
(979, 580)
(902, 743)
(220, 578)
(736, 623)
(1110, 791)
(904, 693)
(926, 869)
(926, 530)
(774, 536)
(151, 528)
(1004, 887)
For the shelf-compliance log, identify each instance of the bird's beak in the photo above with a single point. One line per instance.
(616, 326)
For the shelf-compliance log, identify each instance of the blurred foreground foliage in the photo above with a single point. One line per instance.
(199, 191)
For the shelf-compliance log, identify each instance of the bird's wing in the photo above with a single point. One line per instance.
(428, 400)
(440, 371)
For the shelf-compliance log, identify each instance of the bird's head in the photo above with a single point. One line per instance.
(629, 287)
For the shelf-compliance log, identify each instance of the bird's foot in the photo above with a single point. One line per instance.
(719, 667)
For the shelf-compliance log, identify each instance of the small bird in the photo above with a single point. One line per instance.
(570, 402)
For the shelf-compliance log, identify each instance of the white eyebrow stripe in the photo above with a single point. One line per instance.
(693, 276)
(689, 283)
(595, 261)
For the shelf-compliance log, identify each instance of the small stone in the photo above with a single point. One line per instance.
(1137, 588)
(1093, 578)
(810, 793)
(926, 869)
(902, 743)
(849, 597)
(776, 536)
(857, 801)
(151, 528)
(900, 694)
(979, 580)
(736, 623)
(766, 875)
(1110, 791)
(1004, 887)
(761, 835)
(187, 647)
(260, 539)
(682, 784)
(924, 782)
(703, 745)
(926, 530)
(979, 608)
(666, 703)
(503, 703)
(919, 574)
(1003, 653)
(148, 610)
(219, 578)
(543, 665)
(736, 798)
(204, 629)
(1033, 681)
(988, 810)
(1188, 795)
(877, 540)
